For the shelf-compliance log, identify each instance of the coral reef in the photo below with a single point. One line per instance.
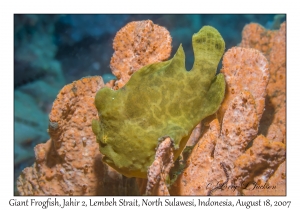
(161, 99)
(234, 158)
(136, 45)
(239, 149)
(245, 69)
(158, 172)
(50, 47)
(273, 45)
(70, 162)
